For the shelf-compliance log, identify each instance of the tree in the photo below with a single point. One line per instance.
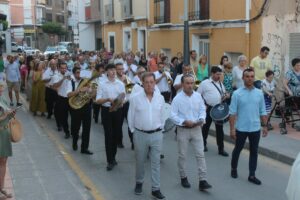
(53, 28)
(4, 24)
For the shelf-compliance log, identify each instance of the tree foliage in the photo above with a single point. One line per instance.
(53, 28)
(4, 24)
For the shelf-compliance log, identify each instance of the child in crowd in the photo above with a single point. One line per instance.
(268, 87)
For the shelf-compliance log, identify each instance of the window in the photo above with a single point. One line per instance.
(126, 8)
(49, 2)
(62, 5)
(161, 11)
(60, 19)
(48, 17)
(198, 9)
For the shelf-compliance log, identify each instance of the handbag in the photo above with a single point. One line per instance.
(16, 131)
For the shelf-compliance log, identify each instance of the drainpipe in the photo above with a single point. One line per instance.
(186, 41)
(247, 28)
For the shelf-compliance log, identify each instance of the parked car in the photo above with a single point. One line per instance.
(16, 48)
(62, 50)
(68, 45)
(31, 51)
(51, 50)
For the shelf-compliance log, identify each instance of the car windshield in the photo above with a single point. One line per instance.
(51, 49)
(27, 48)
(62, 48)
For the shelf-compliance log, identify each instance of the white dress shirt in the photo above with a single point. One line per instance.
(110, 89)
(163, 83)
(70, 87)
(137, 80)
(178, 82)
(62, 89)
(210, 93)
(144, 114)
(83, 66)
(133, 70)
(49, 74)
(186, 107)
(138, 88)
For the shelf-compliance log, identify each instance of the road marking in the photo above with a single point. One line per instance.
(87, 182)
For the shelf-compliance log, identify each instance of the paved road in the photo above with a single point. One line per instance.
(45, 167)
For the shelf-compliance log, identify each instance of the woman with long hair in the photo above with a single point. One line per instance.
(202, 71)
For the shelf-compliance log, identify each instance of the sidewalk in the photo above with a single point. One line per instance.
(283, 148)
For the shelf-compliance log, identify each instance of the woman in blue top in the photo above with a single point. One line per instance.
(202, 70)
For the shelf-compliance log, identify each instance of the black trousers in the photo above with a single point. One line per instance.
(130, 134)
(112, 124)
(96, 111)
(167, 96)
(82, 117)
(61, 110)
(239, 145)
(219, 131)
(50, 98)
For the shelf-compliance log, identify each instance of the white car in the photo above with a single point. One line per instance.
(51, 50)
(17, 48)
(31, 51)
(62, 50)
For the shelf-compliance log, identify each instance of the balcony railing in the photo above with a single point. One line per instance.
(161, 19)
(197, 15)
(109, 12)
(40, 21)
(126, 9)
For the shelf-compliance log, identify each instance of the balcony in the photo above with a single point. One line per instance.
(127, 9)
(40, 21)
(88, 13)
(198, 10)
(162, 11)
(109, 13)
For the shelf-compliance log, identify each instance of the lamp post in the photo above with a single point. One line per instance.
(186, 42)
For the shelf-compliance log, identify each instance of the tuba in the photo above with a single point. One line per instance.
(79, 100)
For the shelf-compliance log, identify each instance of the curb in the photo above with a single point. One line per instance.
(261, 150)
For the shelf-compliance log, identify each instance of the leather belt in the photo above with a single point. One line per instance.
(150, 131)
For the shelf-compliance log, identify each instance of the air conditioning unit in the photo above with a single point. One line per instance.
(133, 25)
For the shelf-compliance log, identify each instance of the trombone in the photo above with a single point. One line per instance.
(169, 80)
(197, 82)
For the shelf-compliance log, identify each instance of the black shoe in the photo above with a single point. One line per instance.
(75, 146)
(49, 117)
(158, 195)
(59, 129)
(96, 121)
(162, 156)
(223, 153)
(132, 146)
(11, 104)
(254, 180)
(205, 149)
(234, 173)
(114, 163)
(185, 183)
(67, 135)
(43, 115)
(121, 146)
(138, 190)
(110, 166)
(88, 152)
(19, 104)
(203, 185)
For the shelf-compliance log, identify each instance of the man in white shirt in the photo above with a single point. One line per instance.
(213, 92)
(188, 113)
(50, 92)
(130, 68)
(162, 77)
(96, 107)
(186, 69)
(82, 64)
(146, 121)
(109, 90)
(81, 115)
(61, 109)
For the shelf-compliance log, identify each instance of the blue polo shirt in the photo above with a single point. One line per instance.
(248, 105)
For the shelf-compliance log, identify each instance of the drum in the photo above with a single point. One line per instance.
(220, 113)
(257, 84)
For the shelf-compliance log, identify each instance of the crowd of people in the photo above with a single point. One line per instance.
(136, 87)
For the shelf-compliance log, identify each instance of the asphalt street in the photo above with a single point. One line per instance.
(44, 166)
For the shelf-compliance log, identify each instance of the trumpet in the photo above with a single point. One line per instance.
(197, 82)
(128, 85)
(169, 80)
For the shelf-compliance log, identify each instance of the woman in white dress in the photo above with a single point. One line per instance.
(237, 72)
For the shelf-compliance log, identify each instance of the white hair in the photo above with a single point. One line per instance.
(241, 57)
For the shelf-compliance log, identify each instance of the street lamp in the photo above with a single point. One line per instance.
(186, 42)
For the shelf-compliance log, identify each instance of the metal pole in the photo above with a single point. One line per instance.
(186, 42)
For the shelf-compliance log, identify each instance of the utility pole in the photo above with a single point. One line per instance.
(186, 40)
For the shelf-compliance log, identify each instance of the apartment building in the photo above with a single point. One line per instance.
(125, 25)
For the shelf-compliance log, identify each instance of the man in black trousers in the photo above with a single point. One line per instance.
(110, 89)
(81, 115)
